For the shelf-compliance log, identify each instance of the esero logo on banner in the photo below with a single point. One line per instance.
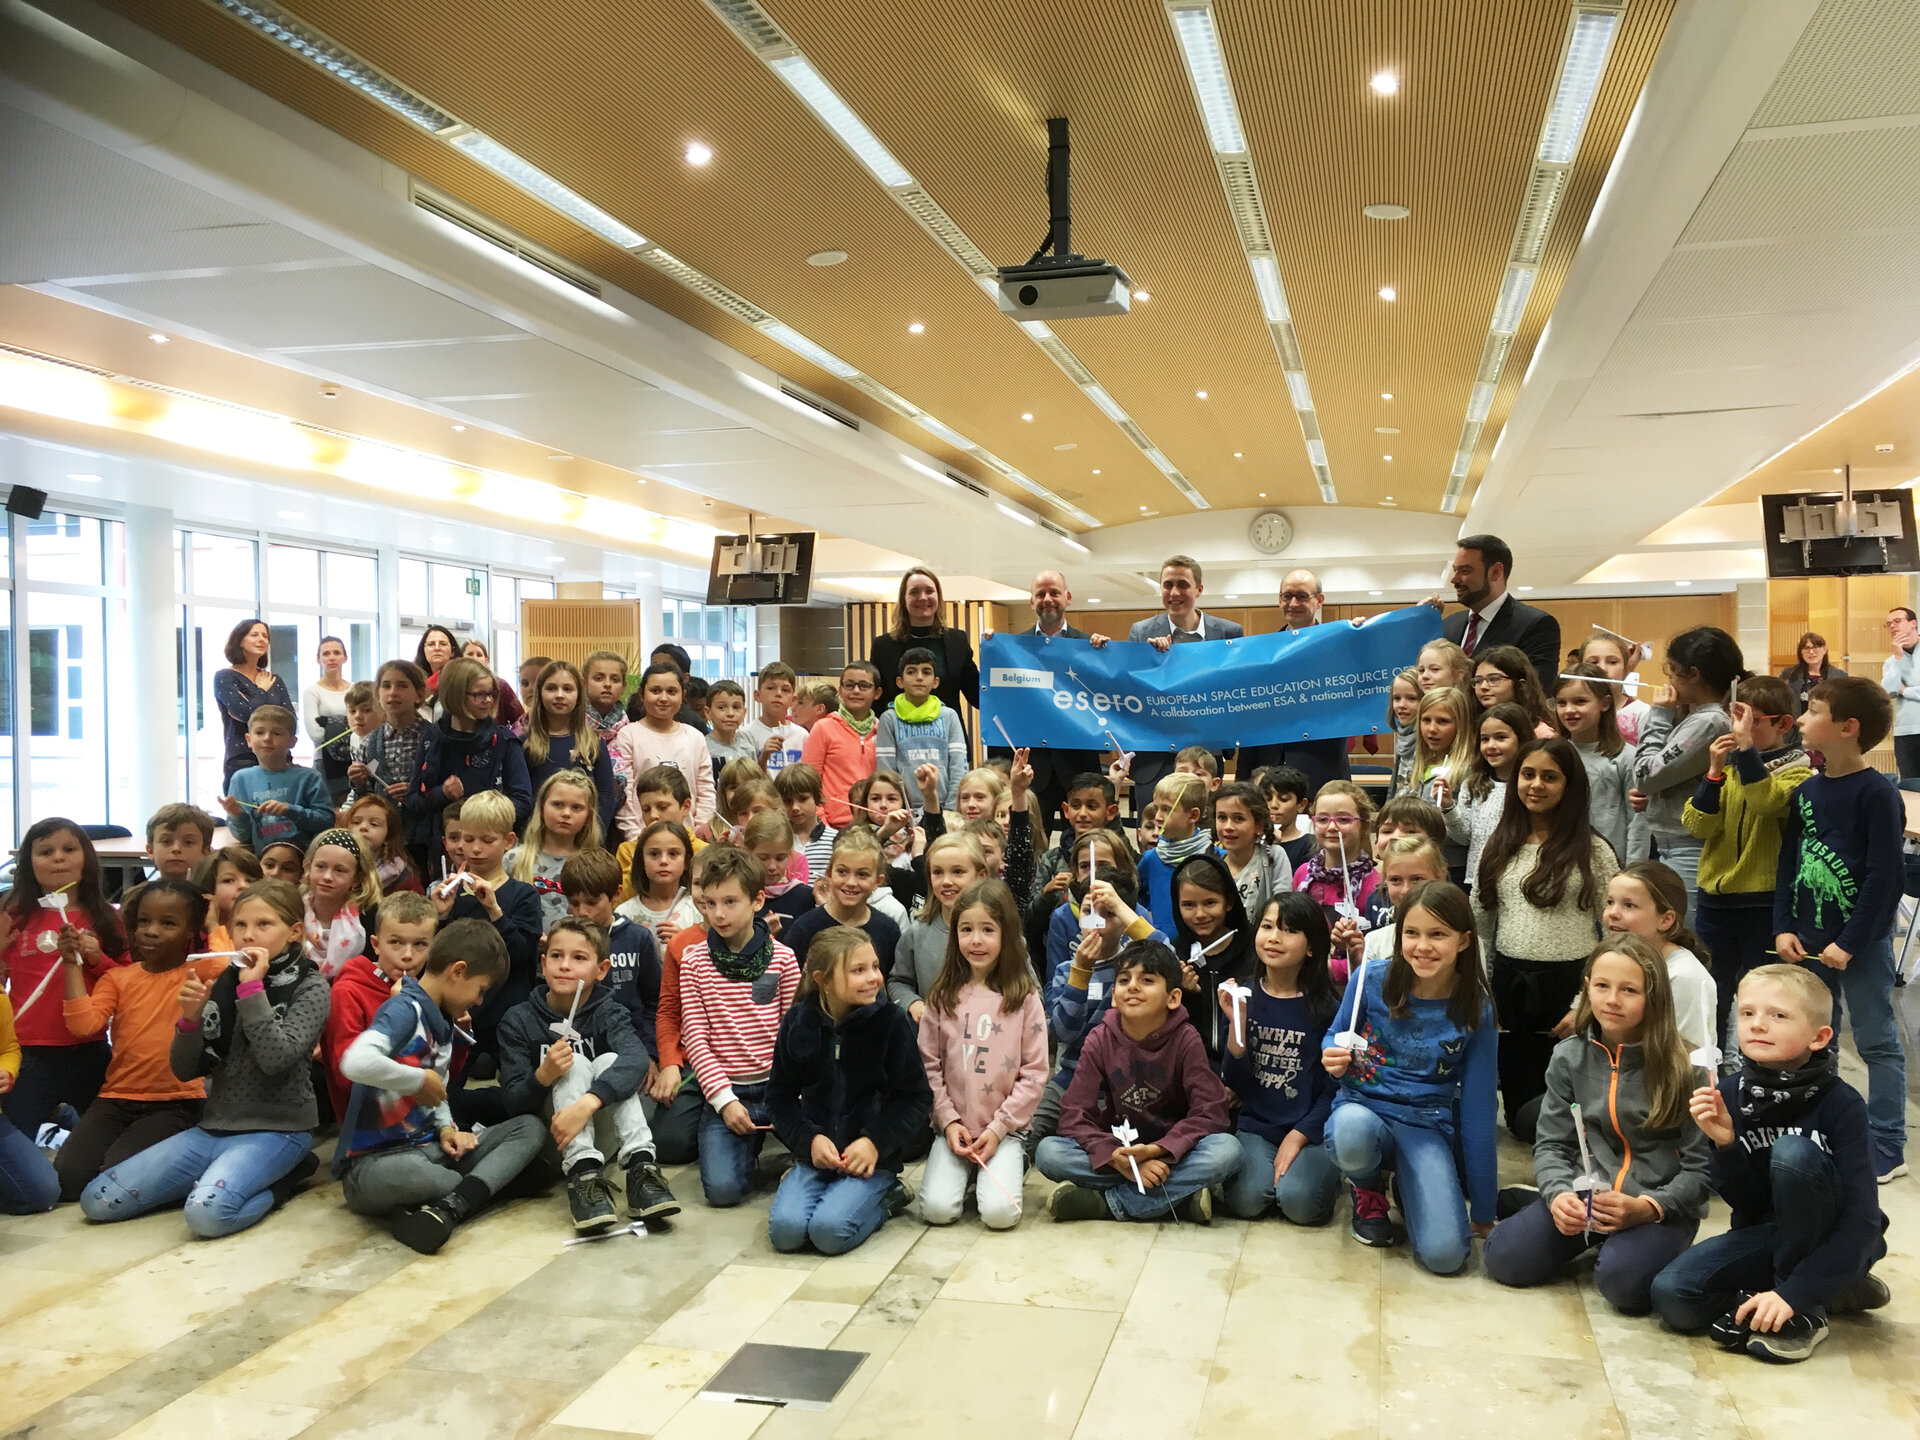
(1097, 702)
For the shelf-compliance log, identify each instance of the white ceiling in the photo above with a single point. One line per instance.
(1748, 274)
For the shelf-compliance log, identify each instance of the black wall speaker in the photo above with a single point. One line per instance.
(24, 500)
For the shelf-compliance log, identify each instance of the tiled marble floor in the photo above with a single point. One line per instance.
(317, 1324)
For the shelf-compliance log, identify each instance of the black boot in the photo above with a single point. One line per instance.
(426, 1228)
(288, 1185)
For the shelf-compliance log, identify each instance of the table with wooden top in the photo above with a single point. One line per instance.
(124, 862)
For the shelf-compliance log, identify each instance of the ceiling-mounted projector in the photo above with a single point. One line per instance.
(1057, 284)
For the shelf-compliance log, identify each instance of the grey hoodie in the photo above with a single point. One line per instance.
(1668, 1166)
(1670, 759)
(917, 960)
(1609, 778)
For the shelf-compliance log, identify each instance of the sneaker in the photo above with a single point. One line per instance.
(898, 1198)
(590, 1200)
(1512, 1199)
(1728, 1333)
(1888, 1165)
(1197, 1208)
(1076, 1202)
(424, 1228)
(1869, 1292)
(1791, 1343)
(648, 1197)
(1370, 1223)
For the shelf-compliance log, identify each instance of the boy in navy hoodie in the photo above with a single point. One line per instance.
(590, 880)
(1837, 893)
(400, 1154)
(1144, 1068)
(478, 837)
(1790, 1156)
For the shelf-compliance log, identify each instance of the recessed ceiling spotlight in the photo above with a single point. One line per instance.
(1068, 445)
(1386, 497)
(698, 154)
(157, 338)
(1142, 296)
(1385, 212)
(1096, 472)
(1385, 83)
(559, 457)
(1390, 504)
(1683, 584)
(459, 427)
(1094, 601)
(1526, 587)
(1263, 494)
(1238, 455)
(1386, 429)
(1376, 592)
(820, 259)
(1199, 394)
(1386, 457)
(1233, 597)
(1387, 292)
(1836, 469)
(1386, 394)
(916, 328)
(1027, 416)
(1143, 509)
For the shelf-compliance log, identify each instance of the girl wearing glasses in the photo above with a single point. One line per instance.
(467, 752)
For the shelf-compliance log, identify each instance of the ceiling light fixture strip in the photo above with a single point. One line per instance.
(1592, 26)
(762, 35)
(1200, 48)
(343, 65)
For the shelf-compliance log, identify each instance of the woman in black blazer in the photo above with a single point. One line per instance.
(917, 623)
(1809, 670)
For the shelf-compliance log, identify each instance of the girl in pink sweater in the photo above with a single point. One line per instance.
(659, 739)
(983, 1036)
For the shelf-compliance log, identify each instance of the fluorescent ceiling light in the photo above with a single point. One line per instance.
(1109, 407)
(1013, 514)
(1512, 303)
(1273, 296)
(1580, 76)
(834, 113)
(1207, 68)
(1297, 388)
(313, 47)
(805, 348)
(946, 432)
(1317, 452)
(542, 186)
(925, 469)
(1481, 401)
(1037, 329)
(1462, 463)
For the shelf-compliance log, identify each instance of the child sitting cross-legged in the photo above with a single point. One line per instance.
(983, 1036)
(400, 1155)
(399, 945)
(1624, 1075)
(1792, 1156)
(1142, 1073)
(571, 1050)
(848, 1096)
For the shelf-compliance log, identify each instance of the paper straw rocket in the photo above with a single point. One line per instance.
(1239, 994)
(1351, 1038)
(1128, 1136)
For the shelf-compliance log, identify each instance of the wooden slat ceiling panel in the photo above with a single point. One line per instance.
(605, 96)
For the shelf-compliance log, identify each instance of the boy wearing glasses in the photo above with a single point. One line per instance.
(1736, 815)
(841, 746)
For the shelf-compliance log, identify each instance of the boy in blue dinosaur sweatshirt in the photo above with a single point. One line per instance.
(1144, 1068)
(589, 881)
(275, 800)
(1182, 836)
(1837, 893)
(917, 729)
(1791, 1157)
(400, 1154)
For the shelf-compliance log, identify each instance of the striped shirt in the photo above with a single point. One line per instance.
(819, 849)
(727, 1036)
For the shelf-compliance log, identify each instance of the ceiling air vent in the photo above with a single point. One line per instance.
(752, 24)
(710, 290)
(54, 360)
(1243, 200)
(454, 213)
(965, 484)
(814, 402)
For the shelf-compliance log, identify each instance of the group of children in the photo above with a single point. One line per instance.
(835, 933)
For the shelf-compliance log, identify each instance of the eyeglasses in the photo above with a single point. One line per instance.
(856, 685)
(483, 692)
(1480, 680)
(1298, 597)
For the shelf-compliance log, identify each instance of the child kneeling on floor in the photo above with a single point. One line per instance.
(400, 1155)
(1143, 1068)
(1792, 1157)
(848, 1096)
(571, 1048)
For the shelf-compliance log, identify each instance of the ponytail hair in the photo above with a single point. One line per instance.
(1712, 654)
(1669, 895)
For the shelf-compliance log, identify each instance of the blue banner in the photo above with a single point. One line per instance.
(1316, 684)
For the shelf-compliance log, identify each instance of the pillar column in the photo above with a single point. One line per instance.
(153, 673)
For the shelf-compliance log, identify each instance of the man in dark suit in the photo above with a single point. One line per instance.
(1054, 769)
(1180, 622)
(1301, 600)
(1482, 566)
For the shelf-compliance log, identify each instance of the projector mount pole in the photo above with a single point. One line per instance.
(1059, 191)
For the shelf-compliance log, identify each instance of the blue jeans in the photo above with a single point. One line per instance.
(1364, 1144)
(1682, 853)
(1865, 988)
(727, 1160)
(1698, 1288)
(225, 1179)
(834, 1212)
(1211, 1162)
(1305, 1194)
(28, 1183)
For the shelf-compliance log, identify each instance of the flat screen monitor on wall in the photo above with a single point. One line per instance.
(1812, 535)
(761, 569)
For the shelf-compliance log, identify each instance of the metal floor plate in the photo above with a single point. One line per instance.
(794, 1375)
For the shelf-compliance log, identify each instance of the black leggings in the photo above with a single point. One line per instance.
(113, 1130)
(53, 1075)
(1530, 997)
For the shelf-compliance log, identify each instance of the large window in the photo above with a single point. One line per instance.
(718, 639)
(474, 603)
(312, 594)
(216, 577)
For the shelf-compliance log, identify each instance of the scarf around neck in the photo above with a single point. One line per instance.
(862, 728)
(748, 962)
(219, 1021)
(924, 713)
(1768, 1097)
(1175, 852)
(1320, 872)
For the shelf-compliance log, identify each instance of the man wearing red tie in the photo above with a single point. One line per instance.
(1482, 567)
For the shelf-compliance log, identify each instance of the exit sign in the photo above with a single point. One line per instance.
(473, 584)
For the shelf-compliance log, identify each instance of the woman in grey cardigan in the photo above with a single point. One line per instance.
(251, 1032)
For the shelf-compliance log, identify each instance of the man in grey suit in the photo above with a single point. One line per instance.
(1181, 622)
(1301, 600)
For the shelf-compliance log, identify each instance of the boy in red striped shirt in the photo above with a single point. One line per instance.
(736, 982)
